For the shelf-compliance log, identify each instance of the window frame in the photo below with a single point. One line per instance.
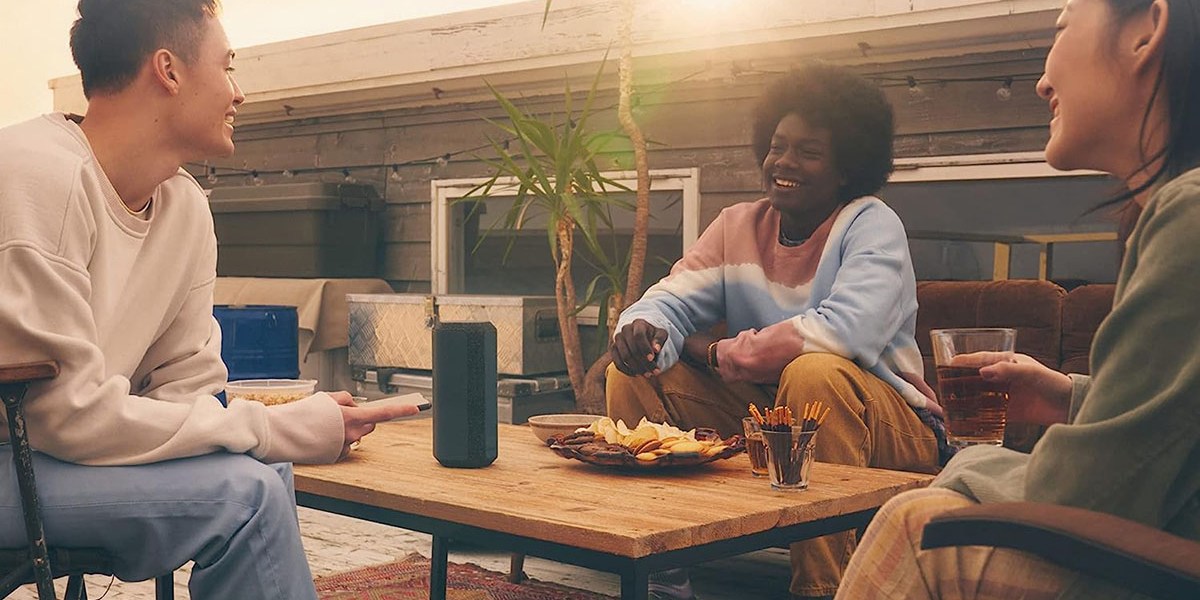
(446, 262)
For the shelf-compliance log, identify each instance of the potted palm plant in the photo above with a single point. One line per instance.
(620, 279)
(550, 169)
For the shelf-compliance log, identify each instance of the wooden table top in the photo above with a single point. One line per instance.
(532, 492)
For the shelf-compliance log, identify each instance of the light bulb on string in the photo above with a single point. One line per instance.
(255, 179)
(1004, 92)
(288, 174)
(915, 93)
(443, 160)
(212, 175)
(347, 177)
(394, 176)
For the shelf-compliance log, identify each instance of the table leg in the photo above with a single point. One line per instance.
(1048, 258)
(635, 584)
(516, 568)
(1000, 260)
(438, 568)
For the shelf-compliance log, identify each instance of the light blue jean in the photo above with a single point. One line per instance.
(233, 515)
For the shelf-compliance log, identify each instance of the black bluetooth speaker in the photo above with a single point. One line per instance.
(464, 394)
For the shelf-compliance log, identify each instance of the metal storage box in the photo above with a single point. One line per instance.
(516, 399)
(392, 330)
(297, 230)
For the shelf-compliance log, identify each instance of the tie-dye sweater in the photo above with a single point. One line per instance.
(847, 290)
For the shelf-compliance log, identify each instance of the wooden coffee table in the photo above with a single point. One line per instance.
(532, 501)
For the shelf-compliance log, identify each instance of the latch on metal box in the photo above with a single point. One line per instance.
(431, 311)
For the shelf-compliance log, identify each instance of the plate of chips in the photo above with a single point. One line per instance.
(647, 446)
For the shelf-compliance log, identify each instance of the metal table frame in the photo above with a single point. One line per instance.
(634, 572)
(1002, 245)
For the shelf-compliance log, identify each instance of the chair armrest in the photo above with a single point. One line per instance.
(1130, 554)
(28, 372)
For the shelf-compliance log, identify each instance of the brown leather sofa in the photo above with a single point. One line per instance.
(1053, 326)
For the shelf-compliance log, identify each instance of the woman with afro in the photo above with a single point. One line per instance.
(815, 288)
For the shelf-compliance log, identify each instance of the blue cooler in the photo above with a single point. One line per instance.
(259, 341)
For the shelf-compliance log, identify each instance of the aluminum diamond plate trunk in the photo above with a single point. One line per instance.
(517, 398)
(392, 330)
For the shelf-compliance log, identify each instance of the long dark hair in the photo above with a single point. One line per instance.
(1179, 80)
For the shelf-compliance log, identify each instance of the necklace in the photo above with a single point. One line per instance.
(790, 243)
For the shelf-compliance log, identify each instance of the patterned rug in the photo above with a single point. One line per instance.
(408, 579)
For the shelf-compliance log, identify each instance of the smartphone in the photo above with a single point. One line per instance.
(415, 399)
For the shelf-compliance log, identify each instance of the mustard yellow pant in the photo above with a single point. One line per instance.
(869, 425)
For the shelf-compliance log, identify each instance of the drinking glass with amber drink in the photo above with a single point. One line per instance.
(754, 447)
(976, 411)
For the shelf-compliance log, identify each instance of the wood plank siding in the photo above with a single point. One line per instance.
(701, 124)
(402, 92)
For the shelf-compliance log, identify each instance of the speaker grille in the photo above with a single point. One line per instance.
(476, 396)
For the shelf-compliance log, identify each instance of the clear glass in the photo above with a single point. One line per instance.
(754, 447)
(789, 457)
(976, 411)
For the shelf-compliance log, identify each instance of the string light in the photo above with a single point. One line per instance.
(913, 84)
(1004, 92)
(915, 93)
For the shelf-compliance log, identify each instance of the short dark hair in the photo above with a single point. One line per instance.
(111, 38)
(855, 111)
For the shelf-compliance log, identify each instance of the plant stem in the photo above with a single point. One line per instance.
(564, 295)
(641, 221)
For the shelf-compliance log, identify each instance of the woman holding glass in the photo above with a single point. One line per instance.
(1123, 82)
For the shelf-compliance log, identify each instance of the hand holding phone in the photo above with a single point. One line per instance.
(414, 399)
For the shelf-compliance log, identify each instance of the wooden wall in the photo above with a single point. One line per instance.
(701, 123)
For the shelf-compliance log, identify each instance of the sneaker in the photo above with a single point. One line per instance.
(672, 584)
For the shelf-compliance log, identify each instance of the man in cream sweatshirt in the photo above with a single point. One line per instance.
(107, 264)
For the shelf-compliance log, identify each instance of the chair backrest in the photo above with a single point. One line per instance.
(1083, 310)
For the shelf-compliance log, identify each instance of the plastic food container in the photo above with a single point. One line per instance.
(271, 391)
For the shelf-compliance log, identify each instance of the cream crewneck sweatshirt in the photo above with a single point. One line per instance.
(125, 306)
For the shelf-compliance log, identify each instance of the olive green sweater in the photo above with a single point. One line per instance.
(1132, 444)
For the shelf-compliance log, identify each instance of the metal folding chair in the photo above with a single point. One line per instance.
(38, 563)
